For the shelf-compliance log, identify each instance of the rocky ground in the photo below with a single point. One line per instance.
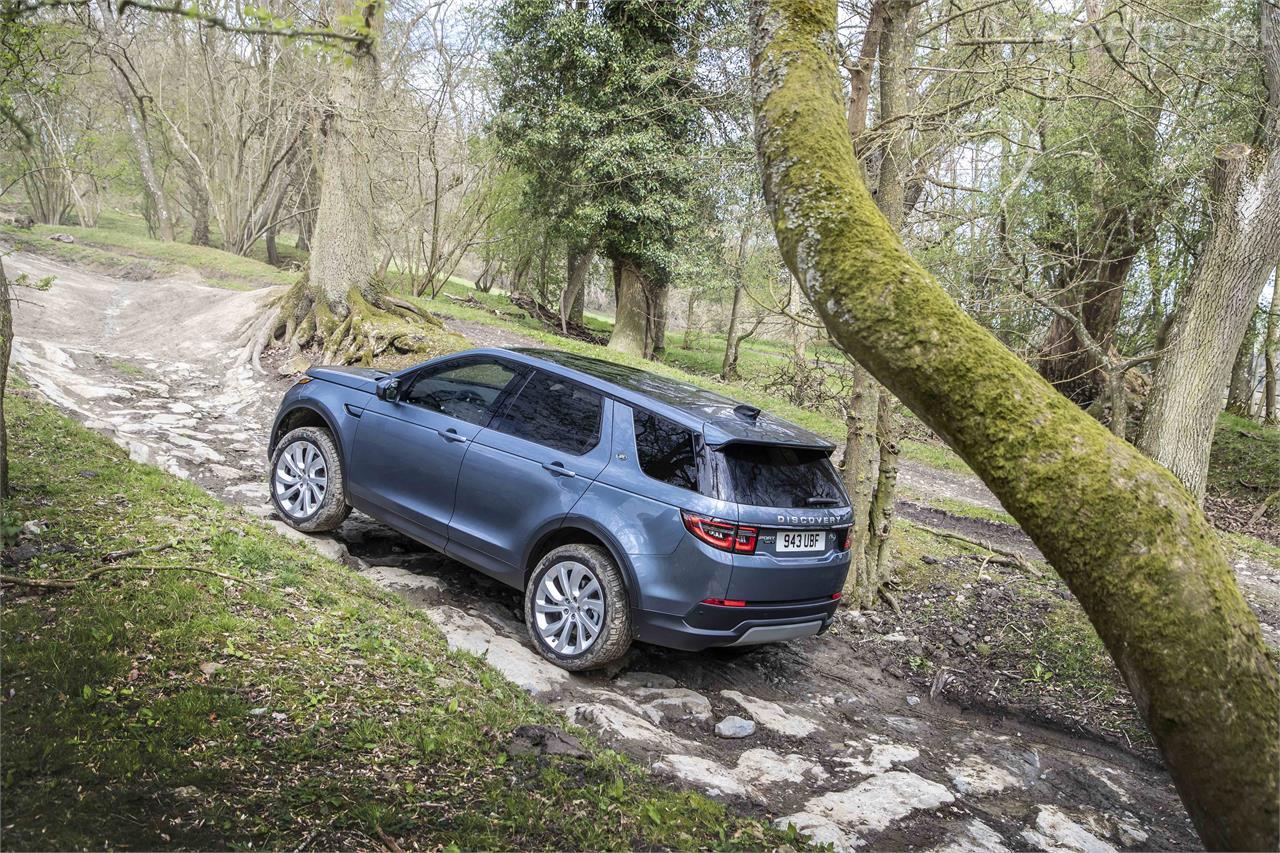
(824, 738)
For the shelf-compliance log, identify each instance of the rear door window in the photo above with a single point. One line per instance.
(777, 476)
(554, 412)
(666, 451)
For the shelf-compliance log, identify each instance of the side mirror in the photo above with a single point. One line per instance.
(389, 390)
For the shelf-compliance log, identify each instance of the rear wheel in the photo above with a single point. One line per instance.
(306, 481)
(576, 608)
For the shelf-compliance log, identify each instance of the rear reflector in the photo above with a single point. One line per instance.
(721, 535)
(835, 596)
(724, 602)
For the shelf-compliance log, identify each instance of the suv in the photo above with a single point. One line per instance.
(625, 505)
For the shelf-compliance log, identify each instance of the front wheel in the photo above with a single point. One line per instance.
(576, 608)
(306, 481)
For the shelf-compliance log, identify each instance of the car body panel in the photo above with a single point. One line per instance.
(487, 499)
(507, 488)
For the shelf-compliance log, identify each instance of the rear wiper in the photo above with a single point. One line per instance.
(821, 502)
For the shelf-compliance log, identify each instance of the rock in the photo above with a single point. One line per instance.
(772, 716)
(819, 830)
(879, 758)
(976, 838)
(522, 666)
(644, 679)
(677, 703)
(532, 740)
(913, 701)
(209, 667)
(62, 238)
(735, 727)
(33, 528)
(977, 777)
(624, 725)
(87, 474)
(257, 712)
(877, 802)
(714, 778)
(293, 366)
(766, 767)
(929, 561)
(186, 792)
(1054, 832)
(960, 638)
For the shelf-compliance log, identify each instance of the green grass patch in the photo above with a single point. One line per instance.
(283, 702)
(1245, 461)
(120, 246)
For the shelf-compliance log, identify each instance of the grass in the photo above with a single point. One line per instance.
(290, 703)
(120, 246)
(1245, 461)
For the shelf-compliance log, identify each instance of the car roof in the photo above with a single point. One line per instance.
(720, 419)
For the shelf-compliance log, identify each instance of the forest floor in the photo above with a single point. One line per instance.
(921, 729)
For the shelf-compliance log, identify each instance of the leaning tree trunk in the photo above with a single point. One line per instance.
(339, 305)
(631, 318)
(1130, 542)
(1213, 314)
(137, 131)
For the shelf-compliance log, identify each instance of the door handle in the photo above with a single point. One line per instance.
(451, 434)
(558, 469)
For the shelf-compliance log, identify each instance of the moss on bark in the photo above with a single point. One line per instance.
(1124, 534)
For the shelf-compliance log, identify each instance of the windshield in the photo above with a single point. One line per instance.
(776, 476)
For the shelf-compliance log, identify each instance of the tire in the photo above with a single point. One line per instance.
(320, 504)
(614, 632)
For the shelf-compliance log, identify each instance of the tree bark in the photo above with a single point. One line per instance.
(133, 120)
(578, 263)
(1213, 314)
(1270, 349)
(860, 470)
(729, 364)
(6, 347)
(630, 324)
(340, 253)
(1240, 385)
(1129, 541)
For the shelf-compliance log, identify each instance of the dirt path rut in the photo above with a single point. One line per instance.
(841, 750)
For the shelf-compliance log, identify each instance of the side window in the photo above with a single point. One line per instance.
(464, 390)
(665, 450)
(554, 412)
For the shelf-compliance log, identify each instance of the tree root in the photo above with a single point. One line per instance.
(370, 326)
(1000, 556)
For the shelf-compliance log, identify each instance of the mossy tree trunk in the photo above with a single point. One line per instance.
(578, 264)
(1124, 534)
(340, 306)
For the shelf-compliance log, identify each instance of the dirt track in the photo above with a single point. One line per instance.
(846, 751)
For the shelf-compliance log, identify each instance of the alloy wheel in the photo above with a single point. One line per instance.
(301, 479)
(568, 608)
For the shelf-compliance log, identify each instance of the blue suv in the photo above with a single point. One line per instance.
(625, 505)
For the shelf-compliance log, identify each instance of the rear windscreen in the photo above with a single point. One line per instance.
(769, 475)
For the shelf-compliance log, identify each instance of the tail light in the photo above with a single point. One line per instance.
(721, 535)
(844, 538)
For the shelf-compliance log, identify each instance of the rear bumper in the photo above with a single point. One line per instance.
(706, 626)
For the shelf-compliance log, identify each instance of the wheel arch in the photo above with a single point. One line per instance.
(577, 530)
(299, 415)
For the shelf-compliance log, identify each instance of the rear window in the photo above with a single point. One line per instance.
(788, 477)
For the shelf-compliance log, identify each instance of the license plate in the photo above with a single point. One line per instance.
(791, 541)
